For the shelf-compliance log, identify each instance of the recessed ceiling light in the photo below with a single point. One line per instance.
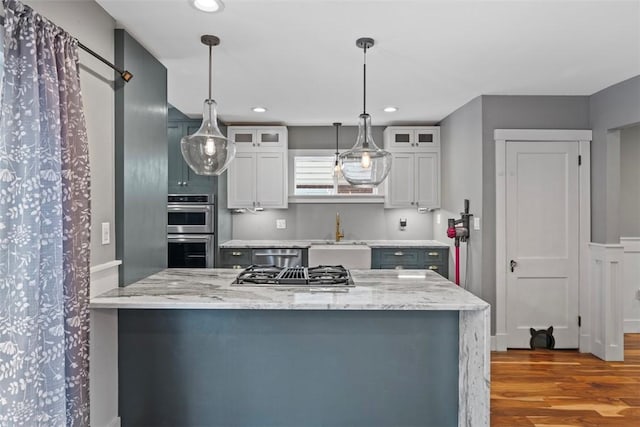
(259, 109)
(390, 109)
(208, 5)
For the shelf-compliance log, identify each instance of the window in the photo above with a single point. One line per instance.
(313, 175)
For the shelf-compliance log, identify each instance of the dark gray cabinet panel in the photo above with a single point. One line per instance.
(235, 257)
(181, 178)
(430, 258)
(242, 257)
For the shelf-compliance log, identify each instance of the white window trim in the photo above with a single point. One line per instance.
(336, 198)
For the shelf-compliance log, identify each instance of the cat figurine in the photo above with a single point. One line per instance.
(542, 338)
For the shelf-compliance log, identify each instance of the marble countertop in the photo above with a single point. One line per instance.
(308, 243)
(212, 289)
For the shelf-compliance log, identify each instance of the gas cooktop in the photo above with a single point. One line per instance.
(270, 275)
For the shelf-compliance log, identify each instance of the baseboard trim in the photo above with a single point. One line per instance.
(500, 342)
(494, 345)
(106, 266)
(585, 343)
(632, 326)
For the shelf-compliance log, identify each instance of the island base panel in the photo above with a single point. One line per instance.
(288, 368)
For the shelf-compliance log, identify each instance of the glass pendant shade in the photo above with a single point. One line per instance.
(208, 151)
(365, 165)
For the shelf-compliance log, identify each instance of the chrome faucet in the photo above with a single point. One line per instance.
(339, 234)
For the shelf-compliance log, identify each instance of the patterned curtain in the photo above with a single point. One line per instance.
(44, 227)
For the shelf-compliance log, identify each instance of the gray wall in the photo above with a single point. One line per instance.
(317, 221)
(461, 161)
(612, 108)
(319, 137)
(141, 162)
(630, 182)
(94, 27)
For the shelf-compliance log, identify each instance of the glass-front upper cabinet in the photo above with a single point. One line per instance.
(410, 138)
(256, 138)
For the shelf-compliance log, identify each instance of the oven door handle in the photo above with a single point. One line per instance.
(289, 255)
(189, 208)
(191, 238)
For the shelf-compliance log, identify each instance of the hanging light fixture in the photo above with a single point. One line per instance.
(208, 151)
(337, 172)
(365, 165)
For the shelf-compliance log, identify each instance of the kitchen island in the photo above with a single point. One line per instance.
(399, 348)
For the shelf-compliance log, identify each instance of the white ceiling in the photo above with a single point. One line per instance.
(299, 59)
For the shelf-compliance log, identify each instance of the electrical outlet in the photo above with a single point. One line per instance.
(281, 224)
(438, 219)
(106, 233)
(403, 223)
(476, 223)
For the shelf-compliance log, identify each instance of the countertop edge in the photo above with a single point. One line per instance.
(305, 244)
(160, 305)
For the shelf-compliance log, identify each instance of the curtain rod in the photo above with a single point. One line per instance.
(126, 75)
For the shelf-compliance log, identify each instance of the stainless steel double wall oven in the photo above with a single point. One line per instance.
(190, 230)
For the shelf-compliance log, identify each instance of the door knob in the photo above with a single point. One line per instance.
(513, 265)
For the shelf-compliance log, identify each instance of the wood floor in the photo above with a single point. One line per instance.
(565, 388)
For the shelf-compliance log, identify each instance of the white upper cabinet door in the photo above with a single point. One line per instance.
(411, 138)
(242, 181)
(427, 178)
(427, 137)
(271, 187)
(259, 138)
(244, 138)
(271, 137)
(401, 181)
(400, 138)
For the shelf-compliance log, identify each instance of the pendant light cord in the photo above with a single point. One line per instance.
(364, 72)
(210, 67)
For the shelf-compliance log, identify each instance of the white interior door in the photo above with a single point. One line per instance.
(542, 214)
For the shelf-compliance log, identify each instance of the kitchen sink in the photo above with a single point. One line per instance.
(350, 255)
(341, 242)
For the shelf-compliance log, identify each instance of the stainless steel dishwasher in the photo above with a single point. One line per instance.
(277, 257)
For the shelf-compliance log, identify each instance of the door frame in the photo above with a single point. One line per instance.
(583, 138)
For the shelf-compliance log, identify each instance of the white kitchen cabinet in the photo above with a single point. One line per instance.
(410, 138)
(258, 174)
(258, 138)
(414, 180)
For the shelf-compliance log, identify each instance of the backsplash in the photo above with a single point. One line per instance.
(358, 221)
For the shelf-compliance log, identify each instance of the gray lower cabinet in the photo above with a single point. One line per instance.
(235, 257)
(244, 257)
(431, 258)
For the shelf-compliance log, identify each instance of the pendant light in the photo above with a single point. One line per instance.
(208, 151)
(365, 165)
(337, 172)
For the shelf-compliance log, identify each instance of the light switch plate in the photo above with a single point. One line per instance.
(281, 224)
(438, 219)
(476, 223)
(106, 233)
